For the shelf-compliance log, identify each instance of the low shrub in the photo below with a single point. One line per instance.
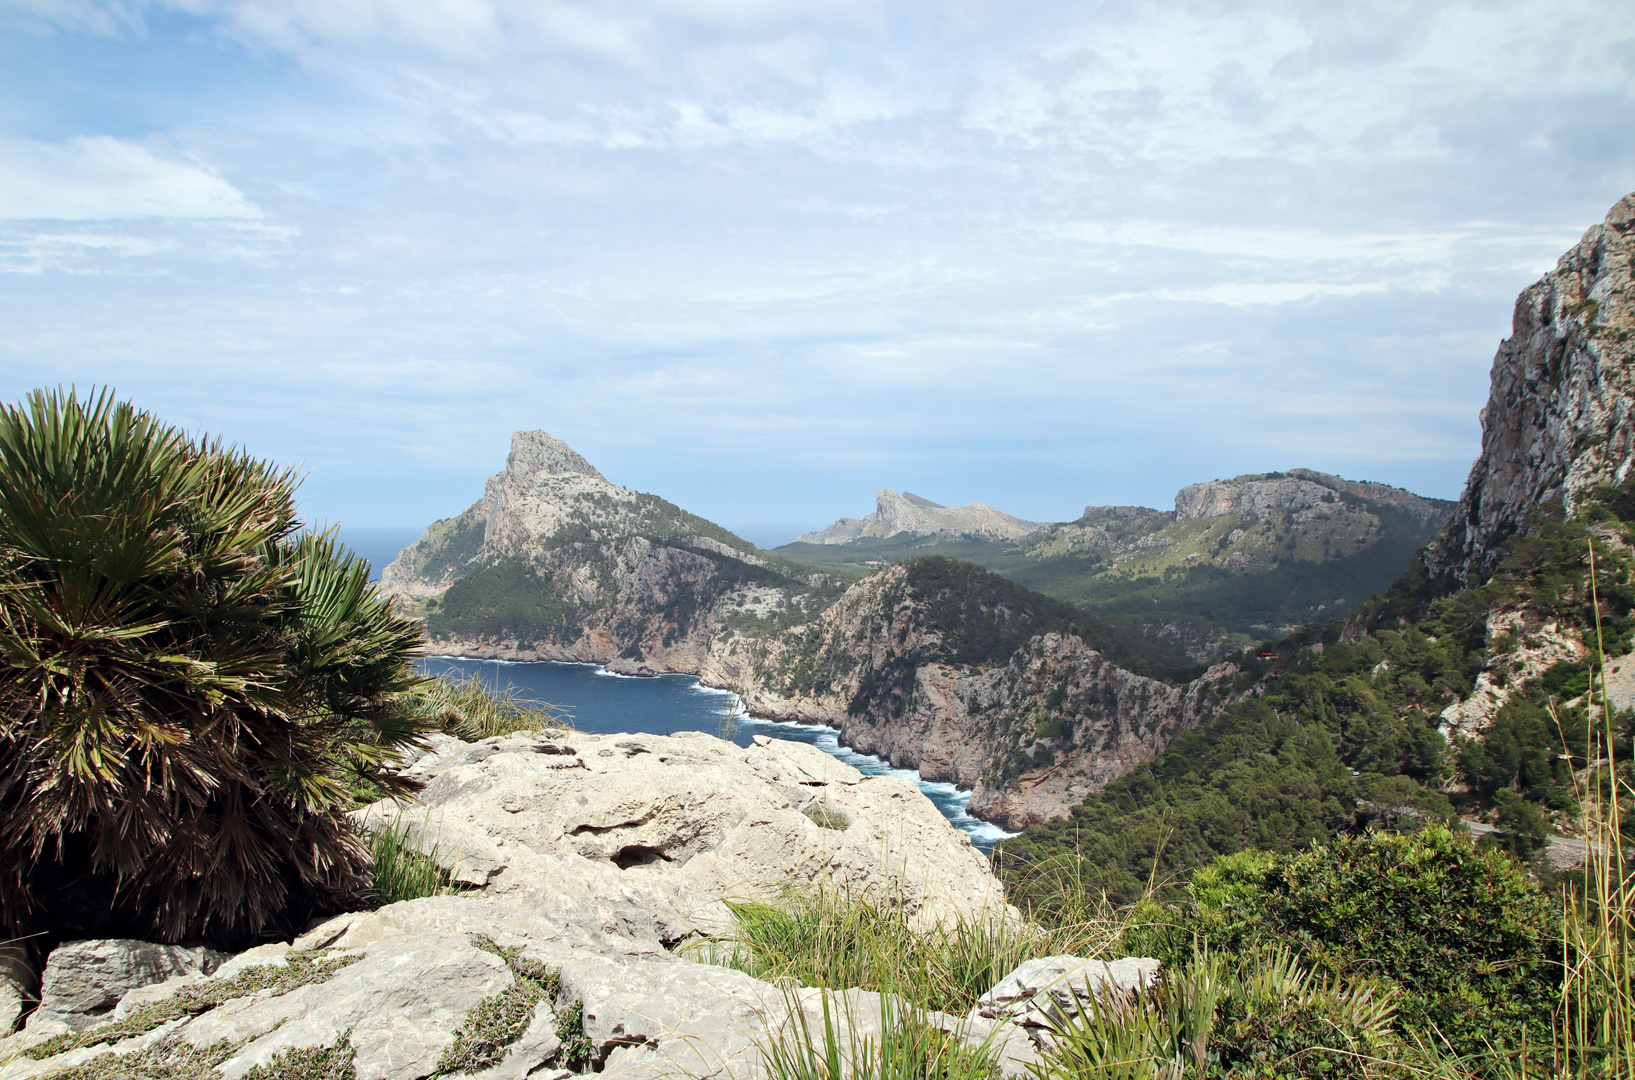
(1267, 1018)
(826, 818)
(1465, 932)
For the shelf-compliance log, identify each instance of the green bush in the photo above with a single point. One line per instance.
(1469, 937)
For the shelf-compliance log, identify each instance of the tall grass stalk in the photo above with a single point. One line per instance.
(827, 938)
(907, 1046)
(1598, 992)
(470, 709)
(726, 727)
(401, 868)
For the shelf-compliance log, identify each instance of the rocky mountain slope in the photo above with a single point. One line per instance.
(1235, 561)
(1559, 420)
(909, 514)
(938, 666)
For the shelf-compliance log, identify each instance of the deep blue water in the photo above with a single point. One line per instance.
(601, 703)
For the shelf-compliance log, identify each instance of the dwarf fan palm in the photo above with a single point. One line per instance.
(190, 693)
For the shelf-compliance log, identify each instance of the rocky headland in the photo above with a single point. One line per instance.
(557, 563)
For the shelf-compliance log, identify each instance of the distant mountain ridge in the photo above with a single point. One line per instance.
(1235, 560)
(895, 514)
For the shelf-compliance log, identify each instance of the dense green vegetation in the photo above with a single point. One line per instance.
(509, 599)
(1381, 955)
(982, 618)
(192, 693)
(1472, 940)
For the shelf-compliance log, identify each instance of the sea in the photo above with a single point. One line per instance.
(596, 700)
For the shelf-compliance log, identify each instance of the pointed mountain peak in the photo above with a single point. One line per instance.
(534, 453)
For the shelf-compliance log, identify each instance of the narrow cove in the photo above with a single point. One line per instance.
(598, 701)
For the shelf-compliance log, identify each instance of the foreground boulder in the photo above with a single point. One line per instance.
(1049, 991)
(405, 991)
(18, 979)
(84, 980)
(585, 857)
(644, 835)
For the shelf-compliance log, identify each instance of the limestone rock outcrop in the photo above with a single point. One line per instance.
(642, 835)
(588, 859)
(1540, 643)
(415, 972)
(1560, 416)
(1049, 990)
(84, 980)
(420, 989)
(1301, 491)
(896, 514)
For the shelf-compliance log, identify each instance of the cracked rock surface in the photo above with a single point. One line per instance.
(645, 835)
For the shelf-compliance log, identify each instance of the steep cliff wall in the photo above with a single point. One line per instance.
(1559, 419)
(969, 679)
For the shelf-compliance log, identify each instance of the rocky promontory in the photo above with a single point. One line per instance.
(1560, 415)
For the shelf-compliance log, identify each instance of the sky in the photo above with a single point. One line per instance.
(763, 257)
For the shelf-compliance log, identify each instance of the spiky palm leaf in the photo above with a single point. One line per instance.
(190, 696)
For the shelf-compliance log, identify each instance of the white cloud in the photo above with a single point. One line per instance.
(869, 240)
(99, 177)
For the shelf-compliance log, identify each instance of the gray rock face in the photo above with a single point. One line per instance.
(536, 453)
(963, 724)
(895, 514)
(642, 835)
(421, 972)
(1560, 417)
(84, 980)
(18, 981)
(1044, 992)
